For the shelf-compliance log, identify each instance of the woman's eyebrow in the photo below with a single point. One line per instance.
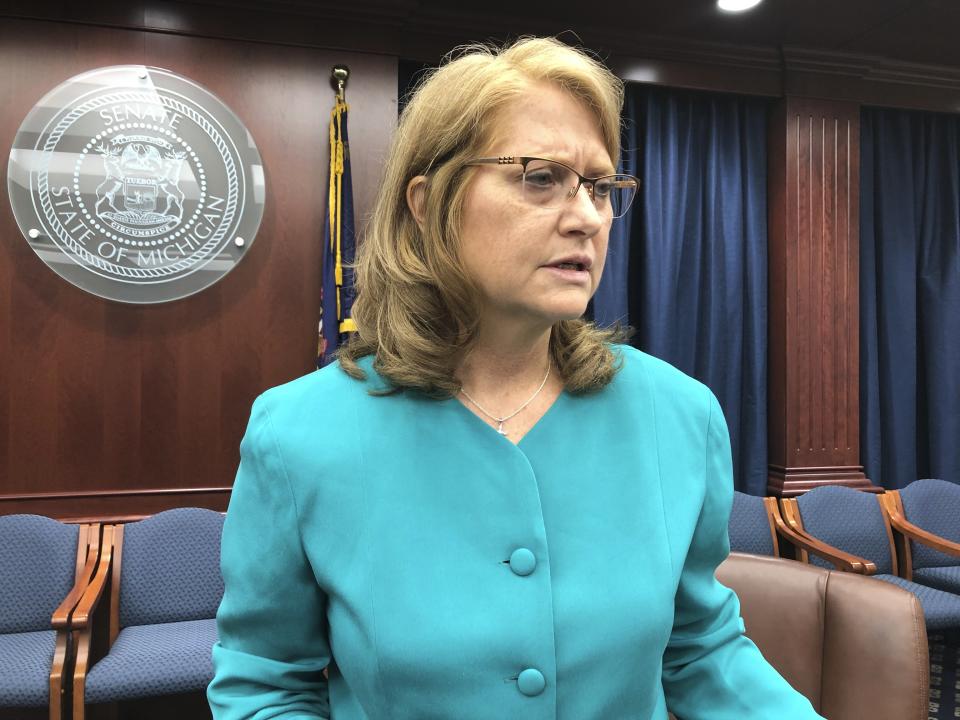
(605, 170)
(598, 169)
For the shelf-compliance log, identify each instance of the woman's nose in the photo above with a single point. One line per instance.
(583, 211)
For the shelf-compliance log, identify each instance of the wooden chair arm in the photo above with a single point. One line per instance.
(94, 591)
(840, 559)
(918, 534)
(61, 616)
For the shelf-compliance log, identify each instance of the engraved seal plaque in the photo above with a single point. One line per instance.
(136, 184)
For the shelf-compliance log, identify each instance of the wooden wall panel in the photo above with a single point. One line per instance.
(814, 341)
(125, 410)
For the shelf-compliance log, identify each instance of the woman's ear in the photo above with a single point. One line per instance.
(417, 198)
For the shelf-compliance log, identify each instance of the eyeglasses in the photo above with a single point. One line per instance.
(549, 184)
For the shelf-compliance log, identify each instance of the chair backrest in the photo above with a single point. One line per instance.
(170, 567)
(847, 519)
(749, 527)
(933, 505)
(38, 559)
(855, 647)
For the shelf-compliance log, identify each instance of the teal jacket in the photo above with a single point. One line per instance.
(441, 572)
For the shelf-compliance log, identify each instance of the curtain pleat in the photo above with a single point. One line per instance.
(909, 296)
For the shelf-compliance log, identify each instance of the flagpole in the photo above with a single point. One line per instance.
(339, 240)
(339, 76)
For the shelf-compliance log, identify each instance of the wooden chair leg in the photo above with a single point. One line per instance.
(80, 673)
(58, 671)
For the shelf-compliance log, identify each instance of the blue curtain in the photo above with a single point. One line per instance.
(690, 265)
(610, 304)
(909, 296)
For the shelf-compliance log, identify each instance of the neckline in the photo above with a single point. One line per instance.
(366, 364)
(550, 411)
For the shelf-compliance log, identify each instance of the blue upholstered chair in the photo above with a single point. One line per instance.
(855, 522)
(165, 586)
(751, 528)
(757, 527)
(926, 515)
(44, 568)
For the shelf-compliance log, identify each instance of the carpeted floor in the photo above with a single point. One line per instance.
(944, 675)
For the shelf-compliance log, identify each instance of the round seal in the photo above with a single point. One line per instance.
(136, 184)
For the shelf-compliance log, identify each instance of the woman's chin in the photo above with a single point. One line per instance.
(543, 314)
(569, 311)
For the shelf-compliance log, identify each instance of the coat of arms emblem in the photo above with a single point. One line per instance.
(141, 192)
(136, 184)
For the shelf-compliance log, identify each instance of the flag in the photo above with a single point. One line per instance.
(337, 291)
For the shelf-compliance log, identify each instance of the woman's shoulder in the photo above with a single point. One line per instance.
(325, 392)
(309, 420)
(666, 384)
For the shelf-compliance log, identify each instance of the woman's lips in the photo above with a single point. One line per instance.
(568, 274)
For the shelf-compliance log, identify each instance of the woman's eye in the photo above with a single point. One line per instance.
(540, 178)
(603, 188)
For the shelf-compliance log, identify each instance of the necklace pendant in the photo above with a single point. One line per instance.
(501, 421)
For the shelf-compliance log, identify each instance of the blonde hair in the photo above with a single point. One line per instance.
(416, 310)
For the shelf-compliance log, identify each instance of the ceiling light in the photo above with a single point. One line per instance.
(737, 5)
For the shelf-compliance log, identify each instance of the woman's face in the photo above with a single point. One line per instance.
(512, 248)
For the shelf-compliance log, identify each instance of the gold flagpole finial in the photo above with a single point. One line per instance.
(338, 78)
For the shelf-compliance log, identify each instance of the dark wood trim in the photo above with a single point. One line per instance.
(110, 493)
(694, 75)
(870, 80)
(113, 505)
(329, 26)
(790, 482)
(802, 72)
(824, 470)
(402, 29)
(693, 65)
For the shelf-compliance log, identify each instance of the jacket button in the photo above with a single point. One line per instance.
(522, 561)
(531, 682)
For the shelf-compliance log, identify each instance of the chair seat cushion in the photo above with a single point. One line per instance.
(940, 609)
(25, 662)
(943, 578)
(152, 660)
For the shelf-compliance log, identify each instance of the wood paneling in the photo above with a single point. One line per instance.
(114, 505)
(97, 396)
(814, 335)
(776, 50)
(118, 410)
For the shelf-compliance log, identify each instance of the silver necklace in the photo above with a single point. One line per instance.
(502, 420)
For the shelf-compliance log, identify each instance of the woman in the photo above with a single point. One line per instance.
(487, 509)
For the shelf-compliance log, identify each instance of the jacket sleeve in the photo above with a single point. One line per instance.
(272, 645)
(711, 670)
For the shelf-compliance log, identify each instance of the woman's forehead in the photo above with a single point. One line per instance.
(546, 120)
